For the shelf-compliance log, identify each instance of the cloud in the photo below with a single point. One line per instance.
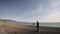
(53, 13)
(54, 3)
(46, 12)
(34, 13)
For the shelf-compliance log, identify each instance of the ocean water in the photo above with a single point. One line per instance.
(42, 24)
(50, 24)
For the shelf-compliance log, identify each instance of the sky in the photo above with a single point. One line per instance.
(30, 10)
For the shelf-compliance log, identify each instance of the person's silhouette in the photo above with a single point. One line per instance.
(37, 26)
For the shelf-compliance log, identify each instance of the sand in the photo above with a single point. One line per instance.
(19, 29)
(13, 29)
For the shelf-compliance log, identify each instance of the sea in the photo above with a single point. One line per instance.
(42, 24)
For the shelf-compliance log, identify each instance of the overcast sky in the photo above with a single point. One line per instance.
(30, 10)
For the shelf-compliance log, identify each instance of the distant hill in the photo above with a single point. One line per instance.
(14, 22)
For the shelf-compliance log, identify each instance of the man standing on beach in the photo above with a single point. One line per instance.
(37, 26)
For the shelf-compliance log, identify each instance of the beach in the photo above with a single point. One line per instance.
(20, 29)
(13, 29)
